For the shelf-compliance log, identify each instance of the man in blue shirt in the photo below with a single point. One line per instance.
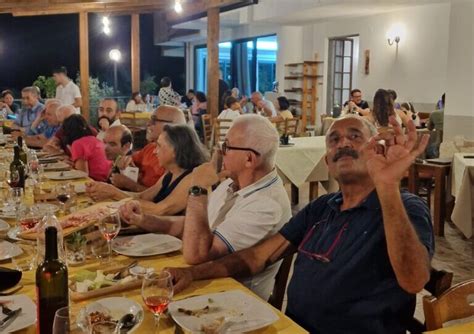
(45, 125)
(363, 252)
(30, 108)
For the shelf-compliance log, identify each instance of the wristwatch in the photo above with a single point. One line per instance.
(197, 191)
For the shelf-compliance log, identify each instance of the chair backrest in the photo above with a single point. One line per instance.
(207, 128)
(326, 124)
(291, 126)
(451, 305)
(281, 280)
(221, 127)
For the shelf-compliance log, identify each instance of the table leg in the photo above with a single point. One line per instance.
(439, 201)
(313, 190)
(294, 194)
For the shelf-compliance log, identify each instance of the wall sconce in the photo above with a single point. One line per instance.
(395, 34)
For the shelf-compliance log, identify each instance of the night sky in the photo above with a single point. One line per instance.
(33, 46)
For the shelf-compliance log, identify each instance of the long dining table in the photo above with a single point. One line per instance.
(158, 262)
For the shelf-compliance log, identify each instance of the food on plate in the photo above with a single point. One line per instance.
(195, 313)
(86, 280)
(214, 326)
(79, 218)
(27, 224)
(97, 316)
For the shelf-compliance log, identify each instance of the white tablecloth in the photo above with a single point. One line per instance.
(304, 161)
(463, 189)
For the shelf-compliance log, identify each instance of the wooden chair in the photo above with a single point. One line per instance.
(207, 129)
(291, 126)
(221, 126)
(281, 280)
(137, 126)
(451, 305)
(439, 282)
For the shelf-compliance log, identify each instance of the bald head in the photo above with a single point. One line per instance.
(51, 107)
(64, 112)
(163, 115)
(118, 141)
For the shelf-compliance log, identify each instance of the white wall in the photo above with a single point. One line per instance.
(459, 111)
(417, 71)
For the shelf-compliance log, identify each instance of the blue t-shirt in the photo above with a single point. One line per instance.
(357, 291)
(45, 129)
(26, 116)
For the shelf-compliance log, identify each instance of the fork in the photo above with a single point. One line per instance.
(6, 310)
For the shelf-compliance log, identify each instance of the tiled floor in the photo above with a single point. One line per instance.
(453, 252)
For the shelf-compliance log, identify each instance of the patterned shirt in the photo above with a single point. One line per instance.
(168, 97)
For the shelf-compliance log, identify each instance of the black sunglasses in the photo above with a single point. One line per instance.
(225, 148)
(155, 119)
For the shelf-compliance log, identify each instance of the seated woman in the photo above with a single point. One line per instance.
(136, 103)
(283, 110)
(409, 110)
(87, 152)
(382, 109)
(179, 152)
(7, 103)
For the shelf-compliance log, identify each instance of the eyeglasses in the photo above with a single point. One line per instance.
(326, 256)
(225, 148)
(154, 119)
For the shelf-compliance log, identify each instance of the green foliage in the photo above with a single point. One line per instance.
(97, 91)
(76, 241)
(47, 86)
(148, 85)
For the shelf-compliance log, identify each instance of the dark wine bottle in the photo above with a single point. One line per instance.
(23, 156)
(17, 170)
(51, 284)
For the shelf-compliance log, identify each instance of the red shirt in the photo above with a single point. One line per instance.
(60, 135)
(149, 165)
(92, 150)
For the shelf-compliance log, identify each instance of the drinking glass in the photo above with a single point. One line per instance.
(157, 292)
(25, 261)
(65, 322)
(109, 227)
(13, 179)
(99, 248)
(62, 195)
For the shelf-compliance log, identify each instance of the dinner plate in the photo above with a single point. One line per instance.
(116, 307)
(146, 244)
(13, 233)
(242, 311)
(8, 212)
(4, 226)
(47, 160)
(8, 250)
(66, 175)
(26, 318)
(54, 166)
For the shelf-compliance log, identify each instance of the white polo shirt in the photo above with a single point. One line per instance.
(101, 134)
(244, 218)
(67, 94)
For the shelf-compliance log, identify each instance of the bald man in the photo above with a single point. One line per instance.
(149, 166)
(118, 142)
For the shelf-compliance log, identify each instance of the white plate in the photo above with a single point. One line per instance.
(245, 312)
(117, 307)
(13, 233)
(4, 226)
(146, 244)
(66, 175)
(56, 166)
(8, 250)
(27, 316)
(41, 208)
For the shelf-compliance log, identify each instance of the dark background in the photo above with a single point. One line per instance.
(33, 46)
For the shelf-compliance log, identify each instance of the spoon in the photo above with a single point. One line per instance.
(125, 323)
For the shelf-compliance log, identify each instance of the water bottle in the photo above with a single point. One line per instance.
(49, 220)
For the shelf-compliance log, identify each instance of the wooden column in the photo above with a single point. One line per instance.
(84, 62)
(135, 52)
(213, 61)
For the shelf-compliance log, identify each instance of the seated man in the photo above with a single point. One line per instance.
(356, 105)
(31, 106)
(109, 116)
(248, 207)
(118, 142)
(265, 107)
(45, 125)
(363, 252)
(146, 160)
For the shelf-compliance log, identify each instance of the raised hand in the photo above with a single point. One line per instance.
(388, 167)
(207, 174)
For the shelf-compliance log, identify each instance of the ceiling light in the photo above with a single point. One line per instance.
(105, 20)
(106, 30)
(115, 55)
(178, 7)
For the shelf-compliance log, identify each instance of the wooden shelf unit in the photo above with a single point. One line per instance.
(307, 74)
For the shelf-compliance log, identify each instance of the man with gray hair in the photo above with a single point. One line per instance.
(31, 106)
(45, 125)
(264, 107)
(248, 207)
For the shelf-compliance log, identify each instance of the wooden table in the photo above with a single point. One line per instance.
(463, 190)
(283, 325)
(455, 329)
(440, 174)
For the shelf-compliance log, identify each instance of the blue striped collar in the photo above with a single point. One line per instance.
(263, 183)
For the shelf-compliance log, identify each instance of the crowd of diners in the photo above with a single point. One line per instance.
(362, 252)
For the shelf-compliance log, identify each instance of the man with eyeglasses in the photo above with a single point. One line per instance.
(362, 253)
(146, 160)
(356, 105)
(249, 206)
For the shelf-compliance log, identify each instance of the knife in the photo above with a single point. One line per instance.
(9, 318)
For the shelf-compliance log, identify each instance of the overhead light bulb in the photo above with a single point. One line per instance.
(178, 8)
(106, 30)
(115, 55)
(105, 20)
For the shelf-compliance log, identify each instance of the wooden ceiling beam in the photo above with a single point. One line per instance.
(195, 9)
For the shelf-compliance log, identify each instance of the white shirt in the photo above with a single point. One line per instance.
(67, 94)
(101, 134)
(244, 218)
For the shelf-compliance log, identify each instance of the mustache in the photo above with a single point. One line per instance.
(345, 151)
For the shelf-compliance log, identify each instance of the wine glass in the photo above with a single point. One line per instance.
(62, 195)
(13, 179)
(99, 248)
(109, 227)
(157, 292)
(65, 321)
(104, 327)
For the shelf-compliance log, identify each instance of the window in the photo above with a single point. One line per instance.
(248, 64)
